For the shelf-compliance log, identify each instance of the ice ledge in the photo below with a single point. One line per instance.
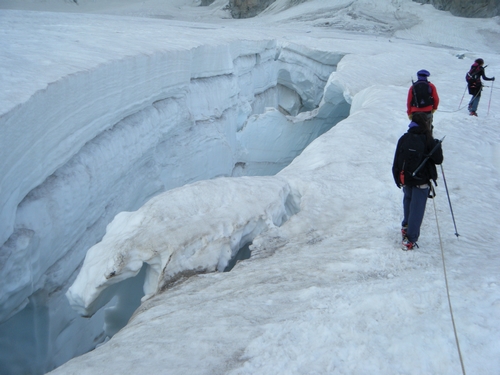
(196, 227)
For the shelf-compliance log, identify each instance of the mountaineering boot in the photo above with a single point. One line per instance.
(403, 231)
(472, 113)
(408, 245)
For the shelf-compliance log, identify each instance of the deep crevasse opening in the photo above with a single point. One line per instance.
(252, 120)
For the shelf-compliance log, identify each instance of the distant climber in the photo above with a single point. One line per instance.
(474, 84)
(422, 96)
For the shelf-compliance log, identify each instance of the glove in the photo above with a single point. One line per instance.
(410, 116)
(493, 78)
(433, 111)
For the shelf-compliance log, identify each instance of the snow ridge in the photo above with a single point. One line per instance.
(198, 227)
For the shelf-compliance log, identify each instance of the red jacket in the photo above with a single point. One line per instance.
(430, 108)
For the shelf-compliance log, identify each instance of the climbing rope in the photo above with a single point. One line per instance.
(460, 105)
(448, 291)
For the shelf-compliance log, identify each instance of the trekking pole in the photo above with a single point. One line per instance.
(489, 103)
(449, 201)
(427, 157)
(462, 97)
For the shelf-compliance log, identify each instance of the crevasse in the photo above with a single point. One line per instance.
(127, 131)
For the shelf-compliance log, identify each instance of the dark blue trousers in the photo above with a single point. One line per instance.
(414, 202)
(474, 102)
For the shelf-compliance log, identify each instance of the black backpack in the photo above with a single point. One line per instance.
(474, 74)
(412, 154)
(422, 94)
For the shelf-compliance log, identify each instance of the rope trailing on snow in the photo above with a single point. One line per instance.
(460, 105)
(448, 291)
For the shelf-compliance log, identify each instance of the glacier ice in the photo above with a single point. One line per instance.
(198, 227)
(110, 129)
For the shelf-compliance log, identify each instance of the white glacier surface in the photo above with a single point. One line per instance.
(144, 117)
